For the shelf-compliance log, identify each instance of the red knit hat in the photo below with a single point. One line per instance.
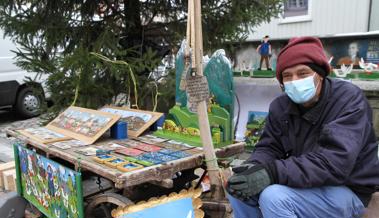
(302, 50)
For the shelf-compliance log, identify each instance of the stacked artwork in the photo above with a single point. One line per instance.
(54, 189)
(138, 154)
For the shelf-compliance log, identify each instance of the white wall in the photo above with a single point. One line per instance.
(254, 95)
(328, 17)
(374, 22)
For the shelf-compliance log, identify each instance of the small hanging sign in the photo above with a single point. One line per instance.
(197, 90)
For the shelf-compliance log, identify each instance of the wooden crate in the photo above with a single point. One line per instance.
(9, 178)
(5, 167)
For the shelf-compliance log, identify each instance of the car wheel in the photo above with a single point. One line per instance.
(28, 103)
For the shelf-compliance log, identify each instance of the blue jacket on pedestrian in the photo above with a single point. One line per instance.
(333, 143)
(264, 48)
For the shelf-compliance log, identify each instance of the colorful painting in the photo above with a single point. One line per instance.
(129, 151)
(129, 143)
(87, 151)
(180, 154)
(115, 162)
(129, 167)
(254, 127)
(139, 161)
(346, 50)
(54, 189)
(177, 154)
(147, 147)
(163, 158)
(68, 144)
(104, 157)
(175, 145)
(166, 151)
(138, 120)
(151, 139)
(83, 124)
(149, 159)
(186, 204)
(43, 135)
(109, 146)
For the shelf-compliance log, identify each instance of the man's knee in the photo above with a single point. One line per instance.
(275, 196)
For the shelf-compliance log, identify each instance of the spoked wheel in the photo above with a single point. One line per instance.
(102, 205)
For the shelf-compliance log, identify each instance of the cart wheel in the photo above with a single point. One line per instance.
(102, 205)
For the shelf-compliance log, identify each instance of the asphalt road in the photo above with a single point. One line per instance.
(8, 116)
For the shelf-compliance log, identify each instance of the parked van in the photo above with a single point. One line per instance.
(16, 91)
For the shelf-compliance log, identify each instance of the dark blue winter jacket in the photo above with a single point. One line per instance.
(332, 143)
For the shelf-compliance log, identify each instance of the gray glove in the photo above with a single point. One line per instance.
(242, 167)
(249, 182)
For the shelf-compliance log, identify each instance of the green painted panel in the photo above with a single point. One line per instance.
(54, 189)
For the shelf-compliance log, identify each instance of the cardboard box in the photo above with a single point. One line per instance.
(5, 167)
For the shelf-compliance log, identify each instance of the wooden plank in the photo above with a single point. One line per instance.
(205, 134)
(157, 173)
(86, 163)
(164, 171)
(72, 131)
(9, 178)
(5, 167)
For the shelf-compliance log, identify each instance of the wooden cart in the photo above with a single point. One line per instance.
(114, 188)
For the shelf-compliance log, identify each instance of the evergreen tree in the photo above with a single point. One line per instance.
(61, 38)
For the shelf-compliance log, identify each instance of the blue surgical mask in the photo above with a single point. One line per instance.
(302, 90)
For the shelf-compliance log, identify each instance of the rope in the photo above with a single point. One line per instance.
(223, 181)
(77, 89)
(220, 172)
(98, 182)
(79, 159)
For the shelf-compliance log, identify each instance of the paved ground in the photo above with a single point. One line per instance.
(9, 119)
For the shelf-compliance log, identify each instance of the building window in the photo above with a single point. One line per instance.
(294, 8)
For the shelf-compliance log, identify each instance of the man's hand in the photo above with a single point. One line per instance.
(244, 166)
(248, 182)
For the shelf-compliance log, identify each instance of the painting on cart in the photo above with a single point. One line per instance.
(54, 189)
(83, 124)
(138, 120)
(185, 204)
(43, 135)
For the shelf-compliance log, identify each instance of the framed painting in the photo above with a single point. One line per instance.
(72, 143)
(138, 120)
(185, 204)
(151, 139)
(51, 187)
(129, 151)
(83, 124)
(254, 127)
(43, 135)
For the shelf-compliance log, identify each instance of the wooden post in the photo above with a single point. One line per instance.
(205, 131)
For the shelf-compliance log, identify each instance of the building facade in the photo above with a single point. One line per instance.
(349, 30)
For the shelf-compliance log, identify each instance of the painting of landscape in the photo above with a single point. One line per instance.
(83, 124)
